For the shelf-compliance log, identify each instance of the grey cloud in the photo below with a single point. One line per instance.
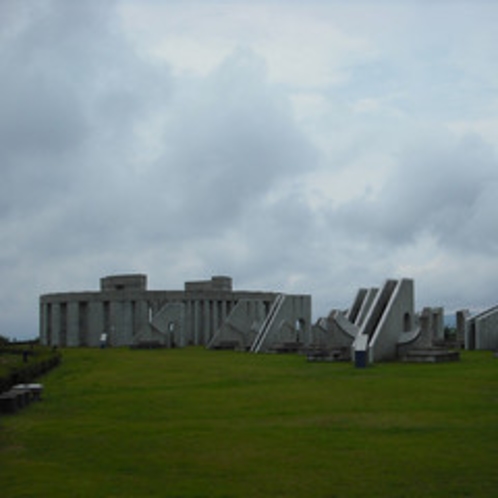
(72, 95)
(112, 163)
(230, 141)
(78, 202)
(438, 187)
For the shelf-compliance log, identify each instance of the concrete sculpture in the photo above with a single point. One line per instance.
(380, 325)
(206, 312)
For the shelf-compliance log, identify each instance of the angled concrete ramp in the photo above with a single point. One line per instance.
(150, 336)
(165, 328)
(391, 314)
(288, 321)
(268, 324)
(361, 305)
(170, 320)
(366, 305)
(354, 311)
(344, 331)
(332, 338)
(240, 328)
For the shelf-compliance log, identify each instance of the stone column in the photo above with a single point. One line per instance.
(181, 336)
(63, 324)
(196, 321)
(223, 311)
(56, 324)
(96, 325)
(44, 324)
(73, 324)
(114, 323)
(190, 323)
(83, 324)
(206, 328)
(215, 318)
(127, 323)
(141, 317)
(461, 326)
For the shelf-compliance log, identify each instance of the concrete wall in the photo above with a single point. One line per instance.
(289, 320)
(358, 301)
(366, 305)
(397, 318)
(123, 282)
(482, 331)
(241, 326)
(461, 325)
(218, 283)
(390, 314)
(170, 322)
(126, 311)
(335, 332)
(437, 323)
(343, 331)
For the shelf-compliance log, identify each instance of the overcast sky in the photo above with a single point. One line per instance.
(306, 147)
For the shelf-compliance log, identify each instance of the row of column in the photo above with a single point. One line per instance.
(204, 317)
(82, 323)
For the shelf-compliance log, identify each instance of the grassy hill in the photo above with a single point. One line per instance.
(196, 423)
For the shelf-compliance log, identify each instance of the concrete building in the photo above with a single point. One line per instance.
(481, 330)
(206, 312)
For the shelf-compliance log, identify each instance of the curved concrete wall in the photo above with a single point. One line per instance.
(128, 313)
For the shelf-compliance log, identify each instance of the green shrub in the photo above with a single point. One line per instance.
(19, 365)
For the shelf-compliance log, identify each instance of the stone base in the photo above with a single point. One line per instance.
(338, 354)
(431, 356)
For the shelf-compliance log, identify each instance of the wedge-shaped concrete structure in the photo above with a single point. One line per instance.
(257, 328)
(380, 325)
(166, 327)
(335, 334)
(285, 326)
(241, 326)
(391, 314)
(361, 305)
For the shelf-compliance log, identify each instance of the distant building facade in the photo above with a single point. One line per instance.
(207, 312)
(481, 330)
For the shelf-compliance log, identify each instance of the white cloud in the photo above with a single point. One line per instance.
(302, 48)
(307, 148)
(486, 128)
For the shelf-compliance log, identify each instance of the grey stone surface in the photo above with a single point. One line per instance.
(390, 315)
(128, 313)
(481, 330)
(381, 321)
(380, 325)
(461, 325)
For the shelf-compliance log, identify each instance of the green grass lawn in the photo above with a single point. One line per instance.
(196, 423)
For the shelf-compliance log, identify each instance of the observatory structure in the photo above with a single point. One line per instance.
(206, 312)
